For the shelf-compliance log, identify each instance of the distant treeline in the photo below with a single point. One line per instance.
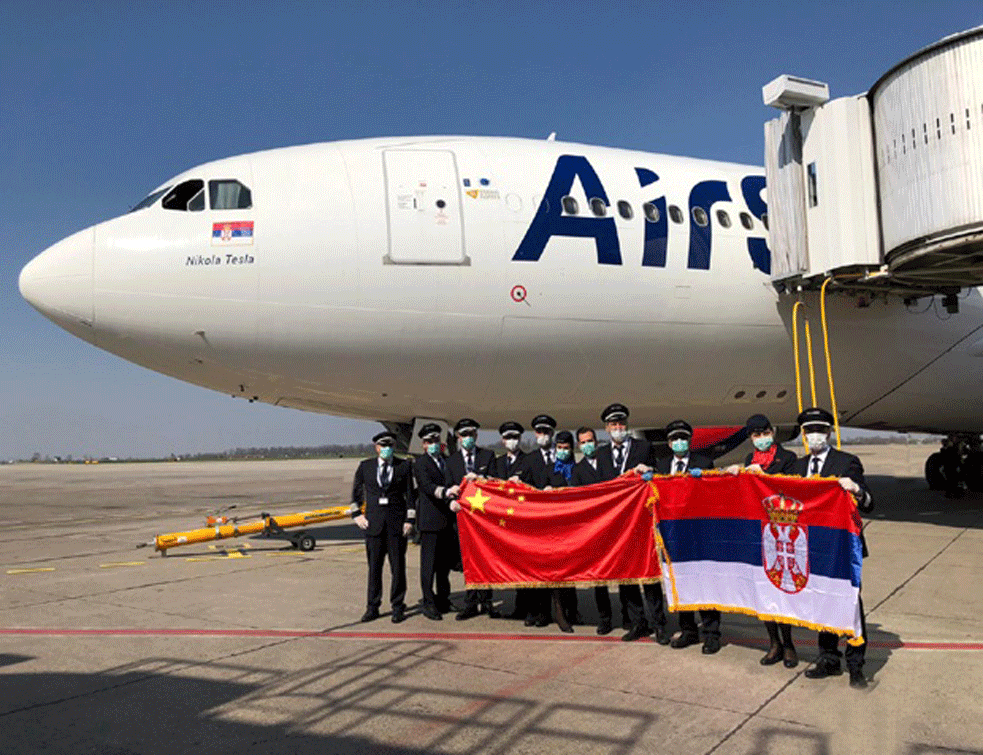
(287, 452)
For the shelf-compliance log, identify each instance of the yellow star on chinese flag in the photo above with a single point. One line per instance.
(510, 511)
(478, 501)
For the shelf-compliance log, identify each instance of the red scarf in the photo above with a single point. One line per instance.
(765, 458)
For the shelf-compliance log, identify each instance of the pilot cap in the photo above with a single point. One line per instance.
(564, 436)
(466, 424)
(679, 427)
(508, 428)
(758, 423)
(431, 428)
(541, 421)
(614, 412)
(815, 416)
(384, 438)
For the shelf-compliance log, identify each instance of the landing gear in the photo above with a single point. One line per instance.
(958, 466)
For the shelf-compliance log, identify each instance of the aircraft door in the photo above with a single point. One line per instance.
(423, 204)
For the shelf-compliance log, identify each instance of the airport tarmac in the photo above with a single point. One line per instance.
(106, 648)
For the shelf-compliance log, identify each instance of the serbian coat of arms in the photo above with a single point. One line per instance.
(785, 544)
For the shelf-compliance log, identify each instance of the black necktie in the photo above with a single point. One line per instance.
(680, 466)
(815, 466)
(469, 462)
(618, 452)
(384, 475)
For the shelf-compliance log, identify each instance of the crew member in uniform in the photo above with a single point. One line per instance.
(536, 469)
(825, 461)
(435, 520)
(678, 434)
(770, 457)
(625, 454)
(537, 464)
(470, 462)
(385, 484)
(508, 466)
(563, 599)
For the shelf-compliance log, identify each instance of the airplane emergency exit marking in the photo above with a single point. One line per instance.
(550, 219)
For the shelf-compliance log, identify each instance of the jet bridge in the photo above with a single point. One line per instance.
(882, 191)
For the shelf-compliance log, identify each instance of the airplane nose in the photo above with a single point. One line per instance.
(58, 283)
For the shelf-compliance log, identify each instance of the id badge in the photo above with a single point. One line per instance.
(384, 501)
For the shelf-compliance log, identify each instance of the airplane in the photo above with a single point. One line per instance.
(418, 278)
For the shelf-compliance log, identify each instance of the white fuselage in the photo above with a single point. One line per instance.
(399, 278)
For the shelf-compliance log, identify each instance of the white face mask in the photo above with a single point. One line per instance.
(511, 444)
(618, 435)
(817, 442)
(543, 441)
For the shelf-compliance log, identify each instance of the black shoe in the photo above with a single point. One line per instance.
(399, 615)
(635, 633)
(431, 613)
(661, 635)
(711, 645)
(530, 620)
(371, 614)
(542, 621)
(857, 679)
(774, 655)
(445, 606)
(490, 610)
(822, 669)
(604, 626)
(684, 640)
(468, 612)
(791, 657)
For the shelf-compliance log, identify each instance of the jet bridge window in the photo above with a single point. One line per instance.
(229, 194)
(189, 195)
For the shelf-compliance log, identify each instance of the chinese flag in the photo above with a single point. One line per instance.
(513, 535)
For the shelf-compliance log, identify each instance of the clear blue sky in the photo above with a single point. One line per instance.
(101, 101)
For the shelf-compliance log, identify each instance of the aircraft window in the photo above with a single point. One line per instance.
(570, 206)
(598, 207)
(747, 221)
(675, 214)
(700, 217)
(189, 195)
(624, 210)
(723, 218)
(150, 199)
(229, 195)
(764, 219)
(651, 212)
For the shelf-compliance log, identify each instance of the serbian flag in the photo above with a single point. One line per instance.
(780, 548)
(513, 535)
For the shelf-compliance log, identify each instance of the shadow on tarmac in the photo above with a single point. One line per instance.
(908, 499)
(167, 705)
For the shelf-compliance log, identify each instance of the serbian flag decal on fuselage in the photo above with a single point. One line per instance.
(781, 548)
(232, 233)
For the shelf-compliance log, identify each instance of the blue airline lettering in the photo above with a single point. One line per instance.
(550, 221)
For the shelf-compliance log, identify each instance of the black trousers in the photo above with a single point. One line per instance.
(633, 609)
(602, 599)
(377, 547)
(711, 623)
(830, 652)
(437, 552)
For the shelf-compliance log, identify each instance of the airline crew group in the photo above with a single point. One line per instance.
(399, 495)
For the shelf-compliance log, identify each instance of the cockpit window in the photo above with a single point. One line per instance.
(189, 195)
(229, 194)
(150, 199)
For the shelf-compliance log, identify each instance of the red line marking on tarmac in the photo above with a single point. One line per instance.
(343, 635)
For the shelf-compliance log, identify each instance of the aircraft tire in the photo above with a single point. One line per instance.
(933, 472)
(973, 472)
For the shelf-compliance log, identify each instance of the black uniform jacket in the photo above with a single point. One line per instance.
(666, 464)
(500, 469)
(841, 464)
(399, 491)
(639, 452)
(483, 459)
(783, 463)
(584, 474)
(536, 470)
(433, 514)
